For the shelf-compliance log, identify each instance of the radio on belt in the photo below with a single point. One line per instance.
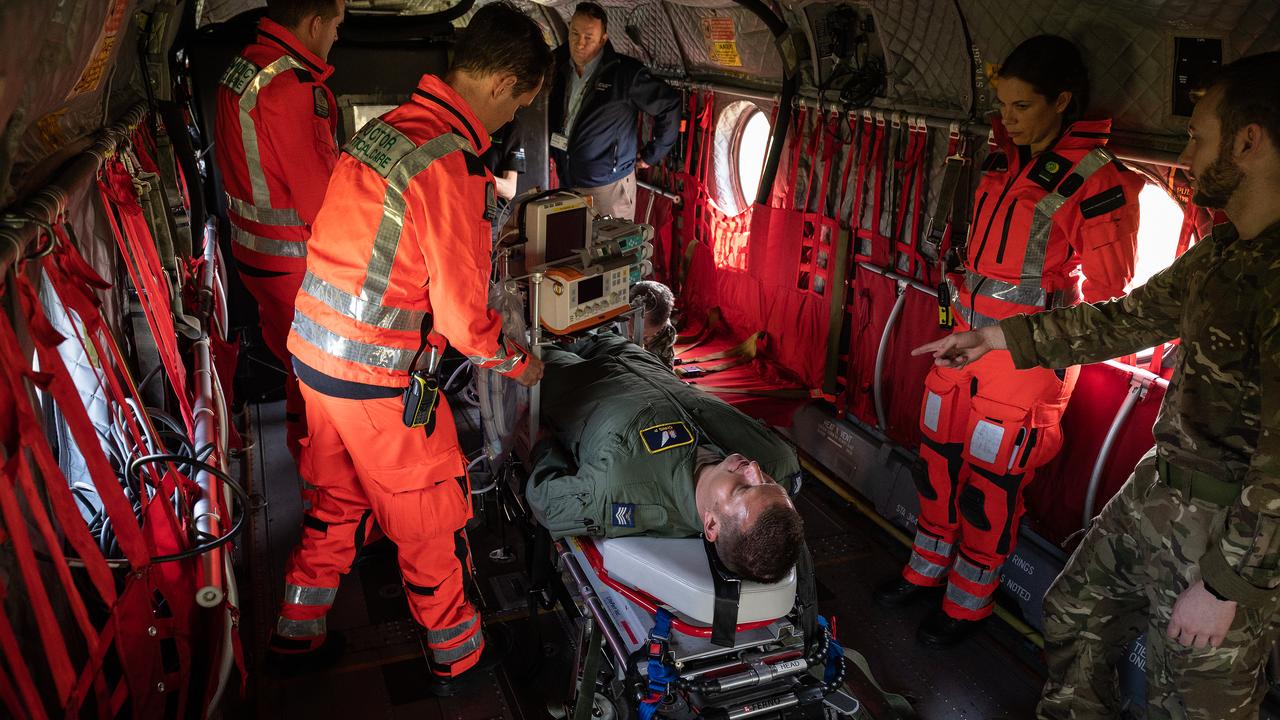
(588, 265)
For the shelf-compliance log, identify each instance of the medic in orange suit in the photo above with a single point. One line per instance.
(1055, 222)
(274, 141)
(397, 266)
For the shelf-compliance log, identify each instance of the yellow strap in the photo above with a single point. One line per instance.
(714, 322)
(746, 349)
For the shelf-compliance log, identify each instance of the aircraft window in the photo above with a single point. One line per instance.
(1157, 233)
(753, 140)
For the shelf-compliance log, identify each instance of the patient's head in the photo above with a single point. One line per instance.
(750, 518)
(658, 302)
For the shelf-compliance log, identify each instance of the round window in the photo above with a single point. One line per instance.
(753, 141)
(741, 140)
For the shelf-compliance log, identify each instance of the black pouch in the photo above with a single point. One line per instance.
(423, 394)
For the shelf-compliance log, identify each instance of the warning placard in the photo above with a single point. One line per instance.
(91, 77)
(722, 41)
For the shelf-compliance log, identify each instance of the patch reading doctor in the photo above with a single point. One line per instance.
(661, 438)
(624, 515)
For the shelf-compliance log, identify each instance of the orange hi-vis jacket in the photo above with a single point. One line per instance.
(274, 142)
(1040, 222)
(403, 238)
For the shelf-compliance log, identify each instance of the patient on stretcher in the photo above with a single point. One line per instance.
(633, 450)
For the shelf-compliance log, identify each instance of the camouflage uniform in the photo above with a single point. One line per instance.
(1211, 512)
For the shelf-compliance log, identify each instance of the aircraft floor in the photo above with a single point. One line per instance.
(381, 673)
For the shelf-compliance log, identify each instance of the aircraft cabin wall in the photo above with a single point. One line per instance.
(844, 116)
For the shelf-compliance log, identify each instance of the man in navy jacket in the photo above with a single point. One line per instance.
(595, 98)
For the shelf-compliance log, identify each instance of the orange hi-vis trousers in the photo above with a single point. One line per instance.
(361, 460)
(986, 428)
(275, 295)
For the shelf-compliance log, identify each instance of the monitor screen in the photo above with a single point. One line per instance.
(591, 288)
(565, 234)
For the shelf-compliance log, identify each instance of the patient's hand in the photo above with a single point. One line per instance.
(532, 372)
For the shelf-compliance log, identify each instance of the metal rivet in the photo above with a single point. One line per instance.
(152, 631)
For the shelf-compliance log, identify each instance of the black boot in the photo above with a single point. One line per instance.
(898, 593)
(290, 656)
(497, 645)
(940, 630)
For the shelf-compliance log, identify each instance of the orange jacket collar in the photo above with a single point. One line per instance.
(271, 32)
(433, 92)
(1079, 135)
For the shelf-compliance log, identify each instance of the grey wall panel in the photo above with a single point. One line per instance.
(925, 55)
(1128, 45)
(658, 48)
(753, 41)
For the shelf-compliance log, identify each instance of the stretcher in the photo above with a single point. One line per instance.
(664, 633)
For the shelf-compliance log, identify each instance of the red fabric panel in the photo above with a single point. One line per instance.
(1055, 500)
(903, 384)
(752, 376)
(796, 321)
(797, 327)
(872, 297)
(661, 217)
(728, 236)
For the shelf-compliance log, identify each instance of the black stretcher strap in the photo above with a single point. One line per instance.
(724, 620)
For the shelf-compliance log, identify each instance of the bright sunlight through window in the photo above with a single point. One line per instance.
(751, 149)
(1158, 230)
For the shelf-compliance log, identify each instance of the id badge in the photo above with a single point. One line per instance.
(560, 142)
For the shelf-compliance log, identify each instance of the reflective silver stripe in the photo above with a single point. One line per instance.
(269, 246)
(280, 217)
(353, 350)
(300, 628)
(387, 241)
(303, 595)
(929, 543)
(975, 319)
(1065, 298)
(1042, 222)
(508, 361)
(249, 133)
(1001, 290)
(454, 654)
(370, 313)
(926, 567)
(436, 637)
(967, 600)
(975, 574)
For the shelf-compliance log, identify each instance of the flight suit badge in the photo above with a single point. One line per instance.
(664, 437)
(322, 102)
(623, 515)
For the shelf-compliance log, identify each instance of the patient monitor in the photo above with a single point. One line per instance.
(588, 264)
(558, 228)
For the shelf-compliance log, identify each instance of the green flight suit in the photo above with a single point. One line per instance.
(623, 451)
(1205, 504)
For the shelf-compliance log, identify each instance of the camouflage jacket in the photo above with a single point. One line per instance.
(1221, 414)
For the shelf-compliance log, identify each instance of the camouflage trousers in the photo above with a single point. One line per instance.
(1140, 553)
